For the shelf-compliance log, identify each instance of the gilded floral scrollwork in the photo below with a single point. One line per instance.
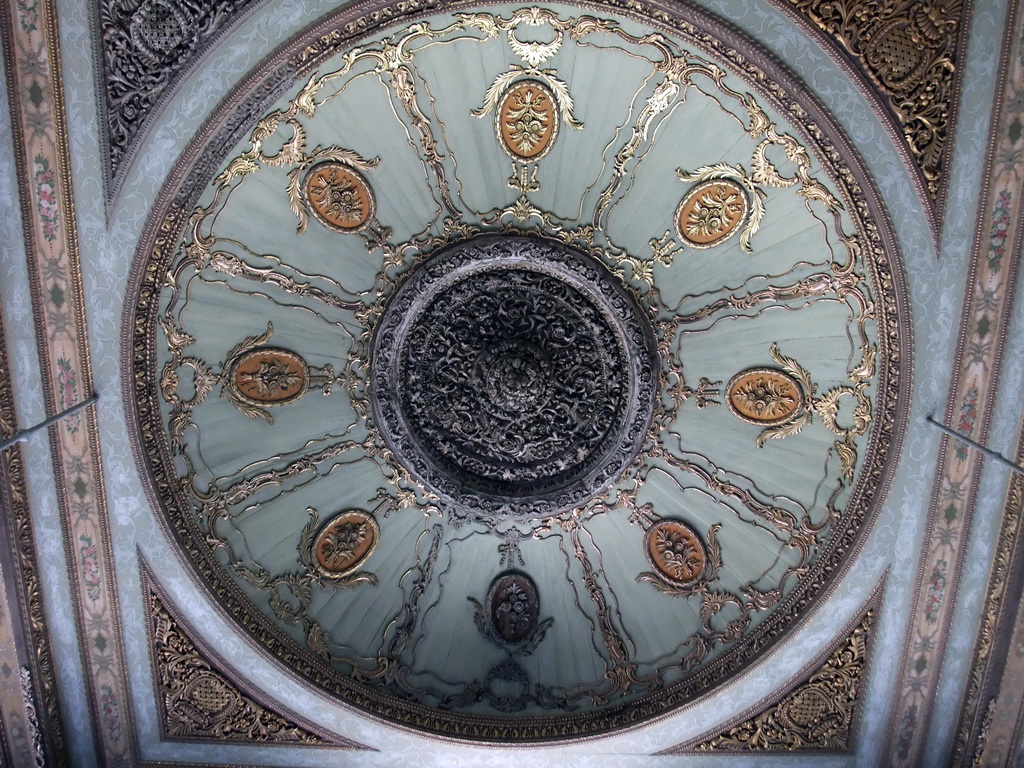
(784, 401)
(528, 372)
(683, 565)
(711, 213)
(196, 701)
(909, 50)
(818, 714)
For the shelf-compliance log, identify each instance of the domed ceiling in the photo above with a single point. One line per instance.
(522, 373)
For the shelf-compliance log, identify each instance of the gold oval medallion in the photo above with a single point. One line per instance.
(339, 196)
(526, 120)
(345, 543)
(764, 396)
(269, 377)
(711, 213)
(676, 552)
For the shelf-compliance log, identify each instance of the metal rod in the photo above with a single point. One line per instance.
(23, 434)
(967, 441)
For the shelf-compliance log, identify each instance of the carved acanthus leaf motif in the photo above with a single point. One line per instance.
(682, 558)
(750, 221)
(909, 50)
(196, 701)
(817, 714)
(146, 47)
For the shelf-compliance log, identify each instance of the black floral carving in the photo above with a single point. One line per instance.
(146, 45)
(514, 374)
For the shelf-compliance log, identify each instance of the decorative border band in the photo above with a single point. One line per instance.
(32, 59)
(766, 727)
(988, 303)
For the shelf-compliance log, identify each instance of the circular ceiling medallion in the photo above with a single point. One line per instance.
(501, 383)
(514, 607)
(513, 376)
(711, 213)
(339, 196)
(526, 120)
(269, 377)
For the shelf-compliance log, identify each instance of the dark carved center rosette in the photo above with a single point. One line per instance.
(513, 376)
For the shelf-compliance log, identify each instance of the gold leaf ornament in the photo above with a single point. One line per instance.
(724, 201)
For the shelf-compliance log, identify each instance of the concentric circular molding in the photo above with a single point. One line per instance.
(517, 401)
(513, 376)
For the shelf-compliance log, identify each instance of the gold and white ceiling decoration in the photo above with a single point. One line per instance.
(522, 373)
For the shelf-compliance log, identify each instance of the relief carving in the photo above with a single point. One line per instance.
(145, 48)
(471, 365)
(711, 213)
(675, 550)
(513, 389)
(682, 564)
(764, 397)
(526, 120)
(345, 543)
(196, 702)
(818, 714)
(909, 50)
(269, 377)
(339, 197)
(783, 401)
(510, 615)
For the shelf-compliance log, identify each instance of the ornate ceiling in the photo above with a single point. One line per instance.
(469, 371)
(508, 374)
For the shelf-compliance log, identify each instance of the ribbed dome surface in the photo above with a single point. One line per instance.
(521, 374)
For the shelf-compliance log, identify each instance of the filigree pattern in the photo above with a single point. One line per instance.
(817, 715)
(196, 701)
(517, 383)
(909, 49)
(147, 46)
(784, 401)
